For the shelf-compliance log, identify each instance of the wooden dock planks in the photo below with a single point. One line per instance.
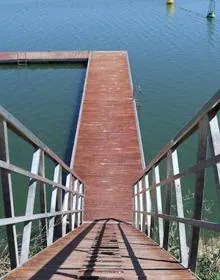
(107, 250)
(107, 153)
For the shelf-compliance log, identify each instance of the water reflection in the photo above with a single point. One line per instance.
(170, 10)
(211, 30)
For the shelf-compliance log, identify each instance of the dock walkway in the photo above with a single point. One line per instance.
(107, 156)
(107, 152)
(106, 250)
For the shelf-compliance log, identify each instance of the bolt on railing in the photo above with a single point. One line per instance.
(67, 199)
(147, 199)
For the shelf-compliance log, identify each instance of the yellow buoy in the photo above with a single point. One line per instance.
(170, 2)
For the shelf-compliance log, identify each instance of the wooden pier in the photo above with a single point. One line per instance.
(107, 154)
(105, 189)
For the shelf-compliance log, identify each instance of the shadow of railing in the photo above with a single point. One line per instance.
(51, 267)
(94, 256)
(137, 267)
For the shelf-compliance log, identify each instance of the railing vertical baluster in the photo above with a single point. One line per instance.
(75, 204)
(214, 140)
(144, 207)
(136, 205)
(71, 215)
(169, 188)
(153, 200)
(59, 207)
(56, 179)
(25, 246)
(148, 205)
(7, 192)
(43, 200)
(79, 221)
(180, 211)
(199, 187)
(159, 205)
(80, 189)
(133, 207)
(83, 202)
(65, 204)
(141, 205)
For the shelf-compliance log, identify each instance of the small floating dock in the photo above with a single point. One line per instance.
(43, 57)
(107, 152)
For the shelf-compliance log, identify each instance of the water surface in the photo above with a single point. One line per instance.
(174, 55)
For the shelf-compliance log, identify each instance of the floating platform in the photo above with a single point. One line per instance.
(43, 57)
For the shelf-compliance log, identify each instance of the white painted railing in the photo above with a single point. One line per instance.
(147, 189)
(66, 202)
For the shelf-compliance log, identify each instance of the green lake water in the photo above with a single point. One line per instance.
(174, 55)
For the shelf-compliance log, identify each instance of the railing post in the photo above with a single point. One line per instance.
(141, 205)
(159, 205)
(59, 207)
(148, 205)
(133, 207)
(71, 216)
(25, 246)
(7, 192)
(153, 201)
(199, 187)
(75, 204)
(180, 211)
(65, 204)
(43, 201)
(136, 205)
(79, 208)
(214, 140)
(57, 179)
(169, 188)
(83, 202)
(144, 207)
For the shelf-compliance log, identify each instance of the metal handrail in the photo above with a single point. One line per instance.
(210, 107)
(67, 199)
(147, 194)
(17, 127)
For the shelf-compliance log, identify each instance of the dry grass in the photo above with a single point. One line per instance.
(36, 245)
(208, 265)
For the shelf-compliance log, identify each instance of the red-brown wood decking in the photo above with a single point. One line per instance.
(107, 250)
(107, 153)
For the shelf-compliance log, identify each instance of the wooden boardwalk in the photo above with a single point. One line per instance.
(107, 152)
(107, 250)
